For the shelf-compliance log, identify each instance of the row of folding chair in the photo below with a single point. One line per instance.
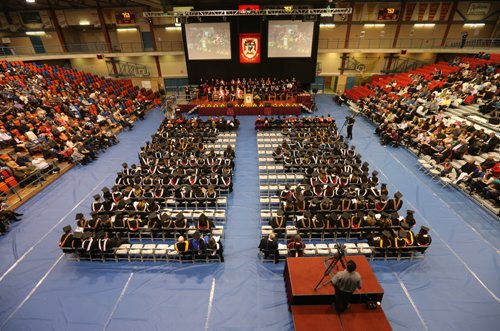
(432, 168)
(265, 152)
(219, 146)
(281, 178)
(228, 134)
(270, 202)
(269, 134)
(146, 252)
(146, 234)
(266, 160)
(217, 216)
(268, 146)
(270, 140)
(322, 234)
(322, 249)
(193, 203)
(330, 249)
(271, 169)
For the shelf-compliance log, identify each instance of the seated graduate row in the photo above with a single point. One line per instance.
(101, 247)
(389, 244)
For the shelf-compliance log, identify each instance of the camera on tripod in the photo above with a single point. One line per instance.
(340, 250)
(339, 257)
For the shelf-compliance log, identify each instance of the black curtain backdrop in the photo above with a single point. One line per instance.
(303, 69)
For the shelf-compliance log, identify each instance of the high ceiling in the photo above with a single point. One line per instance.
(153, 4)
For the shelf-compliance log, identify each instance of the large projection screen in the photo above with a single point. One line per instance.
(208, 41)
(290, 39)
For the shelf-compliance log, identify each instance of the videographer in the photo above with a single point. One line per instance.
(350, 123)
(345, 283)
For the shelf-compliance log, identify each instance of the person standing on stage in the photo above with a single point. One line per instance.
(345, 283)
(350, 124)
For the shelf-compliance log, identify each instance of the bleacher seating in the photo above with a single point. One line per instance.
(392, 107)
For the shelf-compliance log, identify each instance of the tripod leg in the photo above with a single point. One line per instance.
(328, 270)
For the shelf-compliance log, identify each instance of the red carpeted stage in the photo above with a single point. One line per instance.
(323, 317)
(302, 275)
(290, 106)
(312, 310)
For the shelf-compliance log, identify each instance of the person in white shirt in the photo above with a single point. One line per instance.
(41, 164)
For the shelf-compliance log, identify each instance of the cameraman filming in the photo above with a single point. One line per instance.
(345, 283)
(350, 123)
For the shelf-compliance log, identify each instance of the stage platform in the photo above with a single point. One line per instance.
(323, 317)
(303, 273)
(290, 106)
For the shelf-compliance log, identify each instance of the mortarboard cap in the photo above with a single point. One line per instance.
(105, 189)
(179, 216)
(77, 235)
(394, 215)
(67, 228)
(398, 195)
(405, 225)
(124, 164)
(97, 197)
(78, 216)
(100, 235)
(425, 229)
(86, 235)
(375, 173)
(411, 212)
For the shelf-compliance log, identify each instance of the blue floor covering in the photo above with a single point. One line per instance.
(456, 287)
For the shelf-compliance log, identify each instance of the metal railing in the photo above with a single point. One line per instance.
(28, 186)
(176, 46)
(412, 43)
(132, 47)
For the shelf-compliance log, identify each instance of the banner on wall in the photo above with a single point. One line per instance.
(249, 47)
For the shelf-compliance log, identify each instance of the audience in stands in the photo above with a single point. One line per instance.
(412, 112)
(52, 114)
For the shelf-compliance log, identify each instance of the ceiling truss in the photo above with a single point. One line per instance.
(263, 12)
